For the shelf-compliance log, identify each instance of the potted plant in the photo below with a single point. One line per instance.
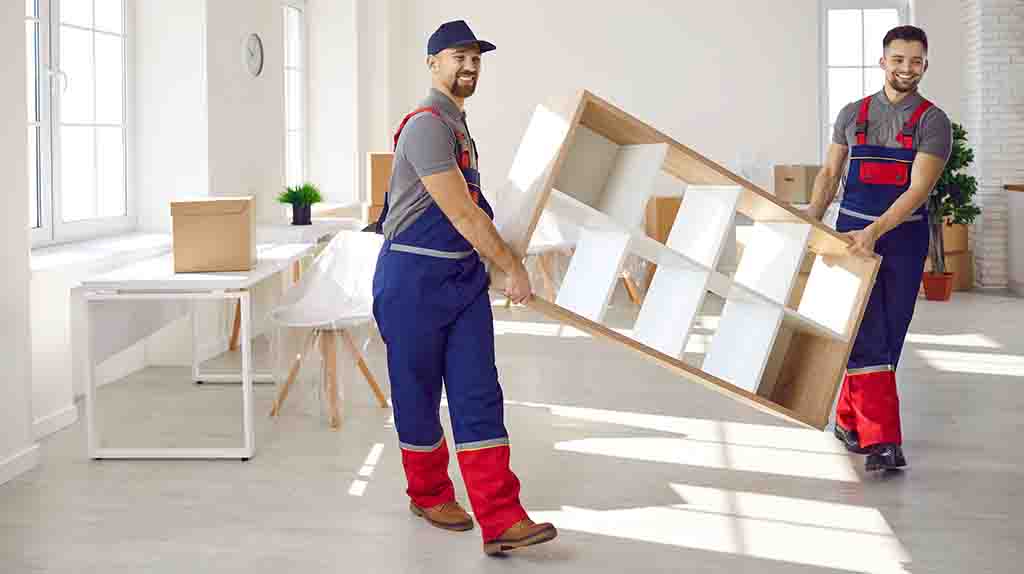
(301, 198)
(951, 203)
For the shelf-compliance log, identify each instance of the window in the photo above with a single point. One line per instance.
(37, 130)
(295, 93)
(852, 34)
(77, 101)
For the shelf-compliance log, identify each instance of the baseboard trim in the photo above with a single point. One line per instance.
(53, 422)
(19, 463)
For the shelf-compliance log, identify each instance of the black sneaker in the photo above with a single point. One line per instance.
(850, 440)
(885, 456)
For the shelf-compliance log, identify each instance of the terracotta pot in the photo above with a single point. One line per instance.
(938, 286)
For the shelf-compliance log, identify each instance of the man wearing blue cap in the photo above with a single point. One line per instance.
(434, 313)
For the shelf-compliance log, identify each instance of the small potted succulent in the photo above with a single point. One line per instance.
(951, 204)
(301, 198)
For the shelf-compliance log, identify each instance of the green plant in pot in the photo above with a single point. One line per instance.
(301, 198)
(951, 203)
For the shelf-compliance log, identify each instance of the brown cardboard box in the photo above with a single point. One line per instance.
(214, 234)
(954, 238)
(378, 170)
(794, 183)
(371, 213)
(661, 214)
(658, 219)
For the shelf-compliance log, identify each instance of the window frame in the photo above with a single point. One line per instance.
(903, 9)
(303, 71)
(51, 81)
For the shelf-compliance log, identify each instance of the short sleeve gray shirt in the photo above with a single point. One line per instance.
(425, 147)
(934, 134)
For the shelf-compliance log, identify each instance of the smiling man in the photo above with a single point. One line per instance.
(898, 144)
(434, 313)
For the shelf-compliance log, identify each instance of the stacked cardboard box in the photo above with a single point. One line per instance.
(794, 183)
(378, 175)
(959, 259)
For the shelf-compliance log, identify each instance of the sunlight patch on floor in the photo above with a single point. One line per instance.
(793, 530)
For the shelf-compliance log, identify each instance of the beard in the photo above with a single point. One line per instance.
(902, 86)
(463, 90)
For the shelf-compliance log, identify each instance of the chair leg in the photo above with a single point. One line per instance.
(233, 345)
(350, 344)
(292, 373)
(330, 355)
(631, 289)
(544, 264)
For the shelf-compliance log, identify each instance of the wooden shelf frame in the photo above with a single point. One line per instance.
(590, 163)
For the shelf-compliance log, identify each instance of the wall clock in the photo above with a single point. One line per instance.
(252, 54)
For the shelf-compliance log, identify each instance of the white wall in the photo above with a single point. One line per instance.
(730, 78)
(246, 114)
(943, 83)
(331, 80)
(204, 125)
(18, 451)
(169, 76)
(380, 29)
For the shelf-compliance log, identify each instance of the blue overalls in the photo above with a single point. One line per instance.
(877, 176)
(434, 314)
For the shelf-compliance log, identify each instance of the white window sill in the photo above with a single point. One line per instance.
(106, 252)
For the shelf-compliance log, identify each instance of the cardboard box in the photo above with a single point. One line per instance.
(658, 219)
(371, 213)
(661, 214)
(214, 234)
(795, 183)
(378, 170)
(954, 238)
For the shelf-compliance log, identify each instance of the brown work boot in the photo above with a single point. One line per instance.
(447, 515)
(523, 533)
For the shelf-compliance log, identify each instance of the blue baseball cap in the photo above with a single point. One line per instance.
(455, 33)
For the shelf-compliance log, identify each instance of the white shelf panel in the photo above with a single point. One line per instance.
(586, 217)
(631, 183)
(830, 296)
(593, 272)
(589, 218)
(706, 215)
(772, 257)
(741, 346)
(670, 308)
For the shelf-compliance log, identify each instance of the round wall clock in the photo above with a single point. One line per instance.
(252, 54)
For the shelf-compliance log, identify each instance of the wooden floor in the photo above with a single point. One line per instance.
(640, 471)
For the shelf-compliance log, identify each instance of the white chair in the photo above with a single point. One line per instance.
(334, 296)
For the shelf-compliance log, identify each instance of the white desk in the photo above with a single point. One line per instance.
(155, 280)
(321, 228)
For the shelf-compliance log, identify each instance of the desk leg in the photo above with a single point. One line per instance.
(247, 418)
(193, 309)
(296, 271)
(90, 385)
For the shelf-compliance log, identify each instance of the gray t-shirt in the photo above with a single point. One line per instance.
(934, 134)
(426, 147)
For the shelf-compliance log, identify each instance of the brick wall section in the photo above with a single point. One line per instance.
(993, 114)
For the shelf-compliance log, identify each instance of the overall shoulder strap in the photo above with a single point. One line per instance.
(862, 120)
(410, 116)
(906, 136)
